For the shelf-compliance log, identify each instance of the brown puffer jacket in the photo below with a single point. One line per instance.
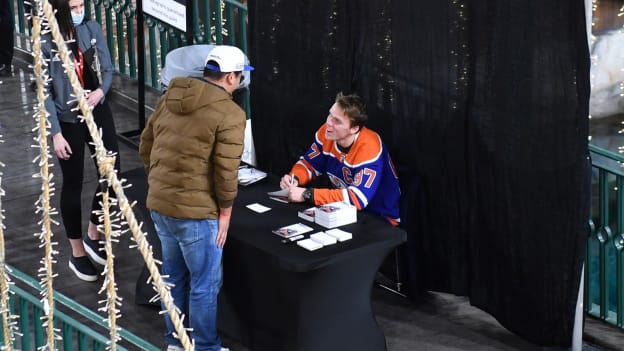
(191, 149)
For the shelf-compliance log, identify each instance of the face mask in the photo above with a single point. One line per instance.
(77, 18)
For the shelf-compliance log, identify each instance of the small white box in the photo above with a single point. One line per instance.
(309, 244)
(323, 238)
(339, 234)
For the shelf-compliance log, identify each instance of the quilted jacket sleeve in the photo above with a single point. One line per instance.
(228, 149)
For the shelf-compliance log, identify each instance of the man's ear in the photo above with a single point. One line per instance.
(235, 78)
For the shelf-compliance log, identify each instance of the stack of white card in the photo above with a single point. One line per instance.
(335, 214)
(339, 234)
(323, 238)
(309, 244)
(307, 214)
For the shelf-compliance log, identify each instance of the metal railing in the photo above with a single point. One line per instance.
(75, 335)
(214, 22)
(604, 263)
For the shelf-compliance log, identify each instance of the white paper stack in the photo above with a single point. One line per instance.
(307, 214)
(335, 214)
(323, 238)
(339, 234)
(309, 244)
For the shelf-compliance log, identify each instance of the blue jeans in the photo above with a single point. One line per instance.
(192, 257)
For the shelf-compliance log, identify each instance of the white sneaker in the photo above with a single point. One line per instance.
(225, 349)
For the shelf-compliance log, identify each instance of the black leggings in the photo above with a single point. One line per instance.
(77, 135)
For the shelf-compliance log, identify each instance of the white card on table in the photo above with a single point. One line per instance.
(256, 207)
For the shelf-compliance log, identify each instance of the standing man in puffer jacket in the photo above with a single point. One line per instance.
(191, 149)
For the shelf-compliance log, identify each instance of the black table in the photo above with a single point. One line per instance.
(279, 296)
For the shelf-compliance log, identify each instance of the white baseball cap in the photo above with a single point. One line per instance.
(229, 58)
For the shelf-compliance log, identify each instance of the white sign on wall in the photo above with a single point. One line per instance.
(171, 12)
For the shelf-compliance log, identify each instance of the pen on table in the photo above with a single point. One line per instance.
(293, 238)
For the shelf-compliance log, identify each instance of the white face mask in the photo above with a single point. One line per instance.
(77, 18)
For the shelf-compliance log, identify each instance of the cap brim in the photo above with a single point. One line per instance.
(248, 68)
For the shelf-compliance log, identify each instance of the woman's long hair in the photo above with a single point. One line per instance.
(64, 18)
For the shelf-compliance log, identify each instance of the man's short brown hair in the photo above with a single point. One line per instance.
(353, 108)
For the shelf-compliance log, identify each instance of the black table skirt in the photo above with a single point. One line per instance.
(279, 296)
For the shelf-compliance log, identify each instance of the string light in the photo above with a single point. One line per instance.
(43, 205)
(8, 320)
(44, 22)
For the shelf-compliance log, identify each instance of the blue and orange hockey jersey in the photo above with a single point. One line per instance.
(364, 177)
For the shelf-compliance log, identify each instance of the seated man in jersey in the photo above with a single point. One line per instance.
(355, 160)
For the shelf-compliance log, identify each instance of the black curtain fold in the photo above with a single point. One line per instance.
(528, 164)
(484, 107)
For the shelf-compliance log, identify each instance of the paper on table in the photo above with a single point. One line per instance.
(279, 195)
(256, 207)
(249, 175)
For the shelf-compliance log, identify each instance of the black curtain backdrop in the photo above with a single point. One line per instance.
(484, 107)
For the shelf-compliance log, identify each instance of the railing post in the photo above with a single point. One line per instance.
(110, 34)
(242, 30)
(230, 23)
(207, 21)
(140, 46)
(38, 328)
(604, 234)
(121, 50)
(98, 12)
(619, 245)
(83, 344)
(197, 35)
(24, 324)
(588, 287)
(218, 22)
(190, 25)
(68, 340)
(20, 15)
(132, 49)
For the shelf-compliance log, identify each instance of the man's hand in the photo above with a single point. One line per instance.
(288, 181)
(296, 194)
(225, 214)
(224, 225)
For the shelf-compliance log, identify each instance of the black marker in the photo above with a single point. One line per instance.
(294, 238)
